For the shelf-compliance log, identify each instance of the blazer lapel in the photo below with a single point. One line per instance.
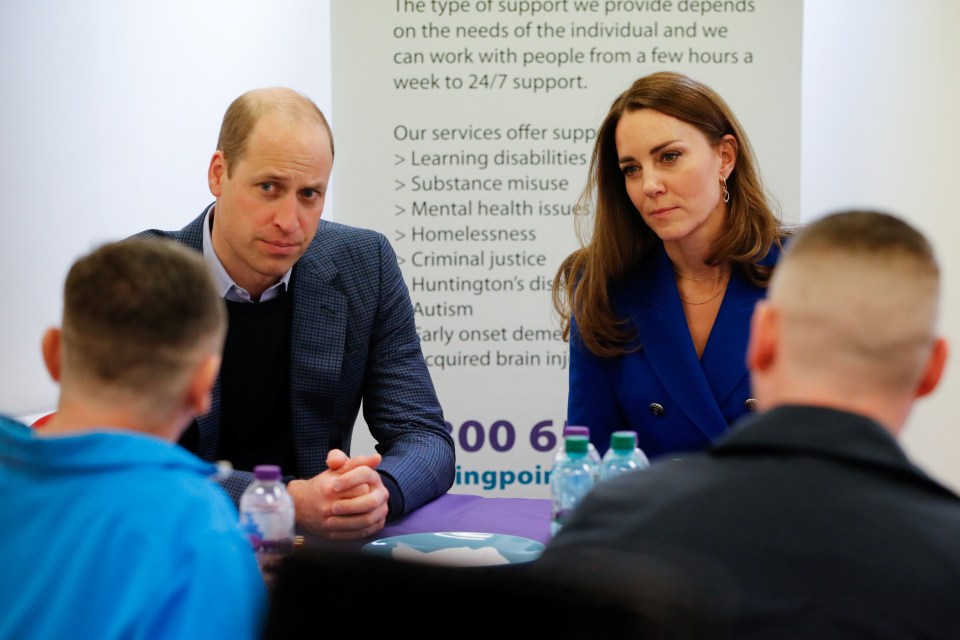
(724, 357)
(317, 345)
(208, 425)
(670, 351)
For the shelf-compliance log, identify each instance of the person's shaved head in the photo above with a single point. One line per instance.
(858, 297)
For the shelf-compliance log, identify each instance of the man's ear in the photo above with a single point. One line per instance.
(933, 370)
(764, 329)
(50, 347)
(216, 173)
(201, 385)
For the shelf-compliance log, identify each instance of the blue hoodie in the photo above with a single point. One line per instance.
(111, 534)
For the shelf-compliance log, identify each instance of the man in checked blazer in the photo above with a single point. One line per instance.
(320, 322)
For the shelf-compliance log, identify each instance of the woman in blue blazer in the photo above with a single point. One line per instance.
(656, 303)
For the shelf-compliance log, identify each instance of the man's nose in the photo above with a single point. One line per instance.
(287, 214)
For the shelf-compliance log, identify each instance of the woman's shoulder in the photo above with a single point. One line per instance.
(777, 249)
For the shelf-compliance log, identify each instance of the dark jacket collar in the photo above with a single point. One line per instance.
(820, 432)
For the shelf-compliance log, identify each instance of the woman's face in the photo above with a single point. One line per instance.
(672, 175)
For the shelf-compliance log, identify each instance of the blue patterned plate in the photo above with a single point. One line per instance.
(457, 548)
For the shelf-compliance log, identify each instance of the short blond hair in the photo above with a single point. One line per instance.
(858, 294)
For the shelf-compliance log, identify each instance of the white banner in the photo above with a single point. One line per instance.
(463, 130)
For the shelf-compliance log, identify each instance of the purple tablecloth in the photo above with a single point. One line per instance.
(526, 517)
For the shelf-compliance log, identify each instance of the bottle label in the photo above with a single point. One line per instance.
(268, 530)
(271, 536)
(570, 482)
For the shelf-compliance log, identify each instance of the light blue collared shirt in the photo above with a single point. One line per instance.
(227, 288)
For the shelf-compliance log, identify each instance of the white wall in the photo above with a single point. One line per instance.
(881, 95)
(110, 112)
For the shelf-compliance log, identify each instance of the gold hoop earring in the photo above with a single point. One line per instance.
(726, 194)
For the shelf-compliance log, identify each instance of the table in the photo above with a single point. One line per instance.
(346, 594)
(526, 517)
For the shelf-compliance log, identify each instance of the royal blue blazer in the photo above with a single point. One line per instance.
(673, 400)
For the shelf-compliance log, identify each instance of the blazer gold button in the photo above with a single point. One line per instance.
(750, 404)
(656, 408)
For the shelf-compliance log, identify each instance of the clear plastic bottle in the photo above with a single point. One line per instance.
(267, 517)
(641, 457)
(593, 456)
(623, 455)
(570, 480)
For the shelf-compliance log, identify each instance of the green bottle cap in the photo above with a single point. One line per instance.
(576, 444)
(623, 440)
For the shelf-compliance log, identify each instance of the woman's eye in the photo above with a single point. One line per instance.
(670, 156)
(630, 170)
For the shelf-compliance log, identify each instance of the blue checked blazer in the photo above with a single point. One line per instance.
(353, 342)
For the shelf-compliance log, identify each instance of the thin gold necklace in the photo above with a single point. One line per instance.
(719, 275)
(711, 298)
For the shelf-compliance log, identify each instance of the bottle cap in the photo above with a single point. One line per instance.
(623, 440)
(266, 472)
(576, 444)
(576, 430)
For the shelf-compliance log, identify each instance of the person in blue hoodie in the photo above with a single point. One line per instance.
(112, 530)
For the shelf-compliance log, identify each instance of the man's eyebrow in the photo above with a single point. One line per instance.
(270, 177)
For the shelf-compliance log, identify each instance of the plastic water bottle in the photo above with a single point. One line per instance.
(593, 456)
(267, 517)
(623, 455)
(570, 480)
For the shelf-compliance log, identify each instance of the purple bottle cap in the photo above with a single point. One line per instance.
(266, 472)
(576, 430)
